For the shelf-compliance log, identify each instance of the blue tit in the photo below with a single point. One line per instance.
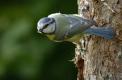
(63, 27)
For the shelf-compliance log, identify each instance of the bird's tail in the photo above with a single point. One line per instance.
(107, 33)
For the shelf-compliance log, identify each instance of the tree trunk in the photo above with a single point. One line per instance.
(97, 58)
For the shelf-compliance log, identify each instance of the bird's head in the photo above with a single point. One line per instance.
(46, 25)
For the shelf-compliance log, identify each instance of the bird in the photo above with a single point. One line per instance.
(71, 27)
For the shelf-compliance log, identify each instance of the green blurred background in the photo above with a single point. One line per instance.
(27, 55)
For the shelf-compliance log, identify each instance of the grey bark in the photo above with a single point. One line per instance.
(97, 58)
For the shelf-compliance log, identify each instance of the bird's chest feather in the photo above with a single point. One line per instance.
(75, 38)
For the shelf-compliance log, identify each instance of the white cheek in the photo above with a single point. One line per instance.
(50, 28)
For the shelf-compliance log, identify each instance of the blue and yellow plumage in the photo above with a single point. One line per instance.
(62, 27)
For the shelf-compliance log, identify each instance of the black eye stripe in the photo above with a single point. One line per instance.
(45, 26)
(51, 33)
(50, 20)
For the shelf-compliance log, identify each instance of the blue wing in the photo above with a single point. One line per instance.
(107, 33)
